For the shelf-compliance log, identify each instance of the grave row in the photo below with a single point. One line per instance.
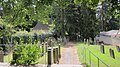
(111, 51)
(24, 39)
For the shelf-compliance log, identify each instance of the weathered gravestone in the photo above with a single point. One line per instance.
(42, 38)
(9, 39)
(26, 39)
(4, 39)
(102, 49)
(18, 39)
(118, 48)
(112, 53)
(15, 39)
(34, 38)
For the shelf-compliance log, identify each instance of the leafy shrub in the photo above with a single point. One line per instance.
(26, 54)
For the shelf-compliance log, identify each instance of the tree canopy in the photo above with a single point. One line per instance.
(70, 17)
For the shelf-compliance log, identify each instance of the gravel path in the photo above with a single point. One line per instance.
(69, 54)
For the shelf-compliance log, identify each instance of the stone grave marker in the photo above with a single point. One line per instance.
(112, 53)
(118, 48)
(102, 49)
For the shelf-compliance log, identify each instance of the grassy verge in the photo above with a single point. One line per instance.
(8, 58)
(43, 60)
(87, 57)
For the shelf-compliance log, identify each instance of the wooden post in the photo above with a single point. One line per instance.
(59, 51)
(42, 49)
(46, 46)
(54, 55)
(57, 57)
(1, 56)
(49, 56)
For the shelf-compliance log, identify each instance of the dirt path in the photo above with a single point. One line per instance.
(69, 54)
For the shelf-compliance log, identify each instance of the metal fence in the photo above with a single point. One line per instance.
(92, 60)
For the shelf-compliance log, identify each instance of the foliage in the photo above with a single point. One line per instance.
(19, 12)
(26, 54)
(85, 17)
(22, 15)
(70, 17)
(108, 13)
(76, 19)
(5, 29)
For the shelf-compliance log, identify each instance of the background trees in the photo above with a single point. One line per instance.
(85, 18)
(77, 19)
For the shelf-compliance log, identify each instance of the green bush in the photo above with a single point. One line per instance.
(26, 54)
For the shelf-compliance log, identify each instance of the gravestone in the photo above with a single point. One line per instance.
(118, 48)
(18, 39)
(15, 39)
(42, 37)
(102, 49)
(112, 53)
(4, 39)
(34, 38)
(24, 39)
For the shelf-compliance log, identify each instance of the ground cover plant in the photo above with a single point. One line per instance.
(26, 54)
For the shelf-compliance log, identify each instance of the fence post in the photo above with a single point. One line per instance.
(90, 58)
(98, 62)
(57, 56)
(85, 54)
(59, 51)
(49, 57)
(1, 56)
(42, 49)
(54, 55)
(46, 46)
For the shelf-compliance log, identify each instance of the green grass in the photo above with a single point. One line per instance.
(8, 58)
(43, 60)
(84, 55)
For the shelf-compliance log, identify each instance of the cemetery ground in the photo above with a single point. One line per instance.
(92, 56)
